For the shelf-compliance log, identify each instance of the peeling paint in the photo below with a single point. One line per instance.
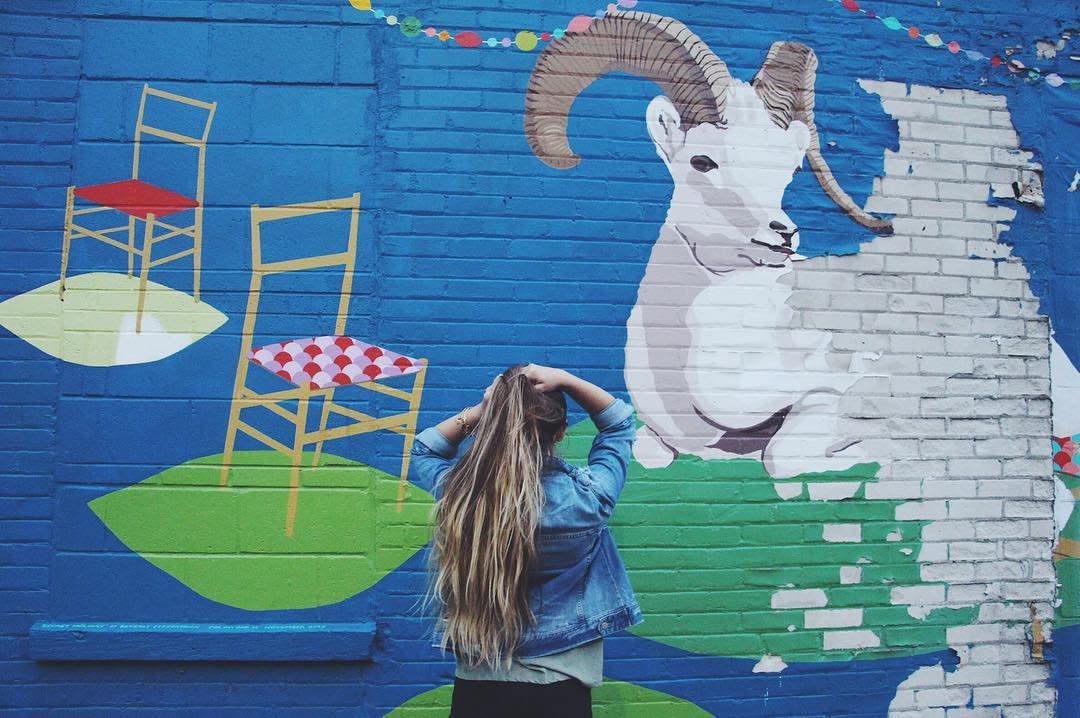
(788, 490)
(1038, 640)
(833, 490)
(770, 664)
(1029, 189)
(1048, 49)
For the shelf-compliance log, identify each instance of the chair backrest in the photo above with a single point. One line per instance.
(346, 259)
(199, 143)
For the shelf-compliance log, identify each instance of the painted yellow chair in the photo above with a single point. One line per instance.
(317, 365)
(144, 201)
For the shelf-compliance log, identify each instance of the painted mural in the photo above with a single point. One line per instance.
(726, 358)
(228, 544)
(1066, 448)
(319, 365)
(842, 376)
(107, 319)
(185, 519)
(717, 289)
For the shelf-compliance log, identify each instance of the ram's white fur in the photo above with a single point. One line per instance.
(710, 351)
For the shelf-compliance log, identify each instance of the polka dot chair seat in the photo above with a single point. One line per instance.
(1066, 449)
(331, 361)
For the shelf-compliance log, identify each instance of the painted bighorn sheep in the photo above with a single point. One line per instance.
(712, 363)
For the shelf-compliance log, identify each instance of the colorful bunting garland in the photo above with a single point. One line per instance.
(934, 40)
(528, 40)
(525, 40)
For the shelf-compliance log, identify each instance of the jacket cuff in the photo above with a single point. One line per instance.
(433, 439)
(616, 412)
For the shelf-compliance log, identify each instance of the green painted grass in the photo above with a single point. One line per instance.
(1068, 569)
(229, 544)
(613, 699)
(708, 543)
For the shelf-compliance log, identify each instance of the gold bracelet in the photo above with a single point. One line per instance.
(460, 419)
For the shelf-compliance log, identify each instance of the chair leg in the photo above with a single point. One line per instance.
(66, 247)
(131, 246)
(197, 255)
(297, 457)
(230, 441)
(144, 270)
(322, 427)
(410, 435)
(403, 483)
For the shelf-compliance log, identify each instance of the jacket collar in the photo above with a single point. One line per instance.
(558, 463)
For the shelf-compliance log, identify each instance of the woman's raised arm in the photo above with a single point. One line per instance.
(588, 396)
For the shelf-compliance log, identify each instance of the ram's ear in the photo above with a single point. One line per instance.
(665, 128)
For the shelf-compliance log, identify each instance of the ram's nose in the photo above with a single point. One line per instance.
(786, 233)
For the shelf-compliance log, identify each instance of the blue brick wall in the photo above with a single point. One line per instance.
(472, 254)
(37, 102)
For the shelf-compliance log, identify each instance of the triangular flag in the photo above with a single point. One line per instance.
(361, 4)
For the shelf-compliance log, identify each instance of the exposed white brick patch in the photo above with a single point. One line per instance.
(799, 598)
(832, 490)
(769, 664)
(834, 618)
(788, 489)
(850, 575)
(962, 391)
(842, 533)
(839, 640)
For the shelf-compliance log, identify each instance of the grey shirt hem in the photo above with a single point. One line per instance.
(584, 663)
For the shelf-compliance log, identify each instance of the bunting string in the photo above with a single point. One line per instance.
(933, 39)
(528, 40)
(523, 40)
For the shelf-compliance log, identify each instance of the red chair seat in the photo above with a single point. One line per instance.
(136, 198)
(330, 361)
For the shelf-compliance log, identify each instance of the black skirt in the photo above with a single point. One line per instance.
(507, 699)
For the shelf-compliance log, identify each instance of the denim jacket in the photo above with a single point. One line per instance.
(580, 591)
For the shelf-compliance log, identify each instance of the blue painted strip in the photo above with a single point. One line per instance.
(63, 641)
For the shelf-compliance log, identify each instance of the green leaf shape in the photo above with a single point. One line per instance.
(707, 544)
(613, 699)
(95, 324)
(229, 544)
(1068, 566)
(1068, 577)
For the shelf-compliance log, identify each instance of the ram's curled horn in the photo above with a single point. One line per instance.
(657, 48)
(785, 83)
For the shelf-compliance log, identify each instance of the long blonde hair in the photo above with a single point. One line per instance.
(487, 519)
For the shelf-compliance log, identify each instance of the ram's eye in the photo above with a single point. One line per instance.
(703, 163)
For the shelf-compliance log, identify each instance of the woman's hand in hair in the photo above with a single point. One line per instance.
(546, 378)
(589, 396)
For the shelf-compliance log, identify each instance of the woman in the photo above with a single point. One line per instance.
(525, 571)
